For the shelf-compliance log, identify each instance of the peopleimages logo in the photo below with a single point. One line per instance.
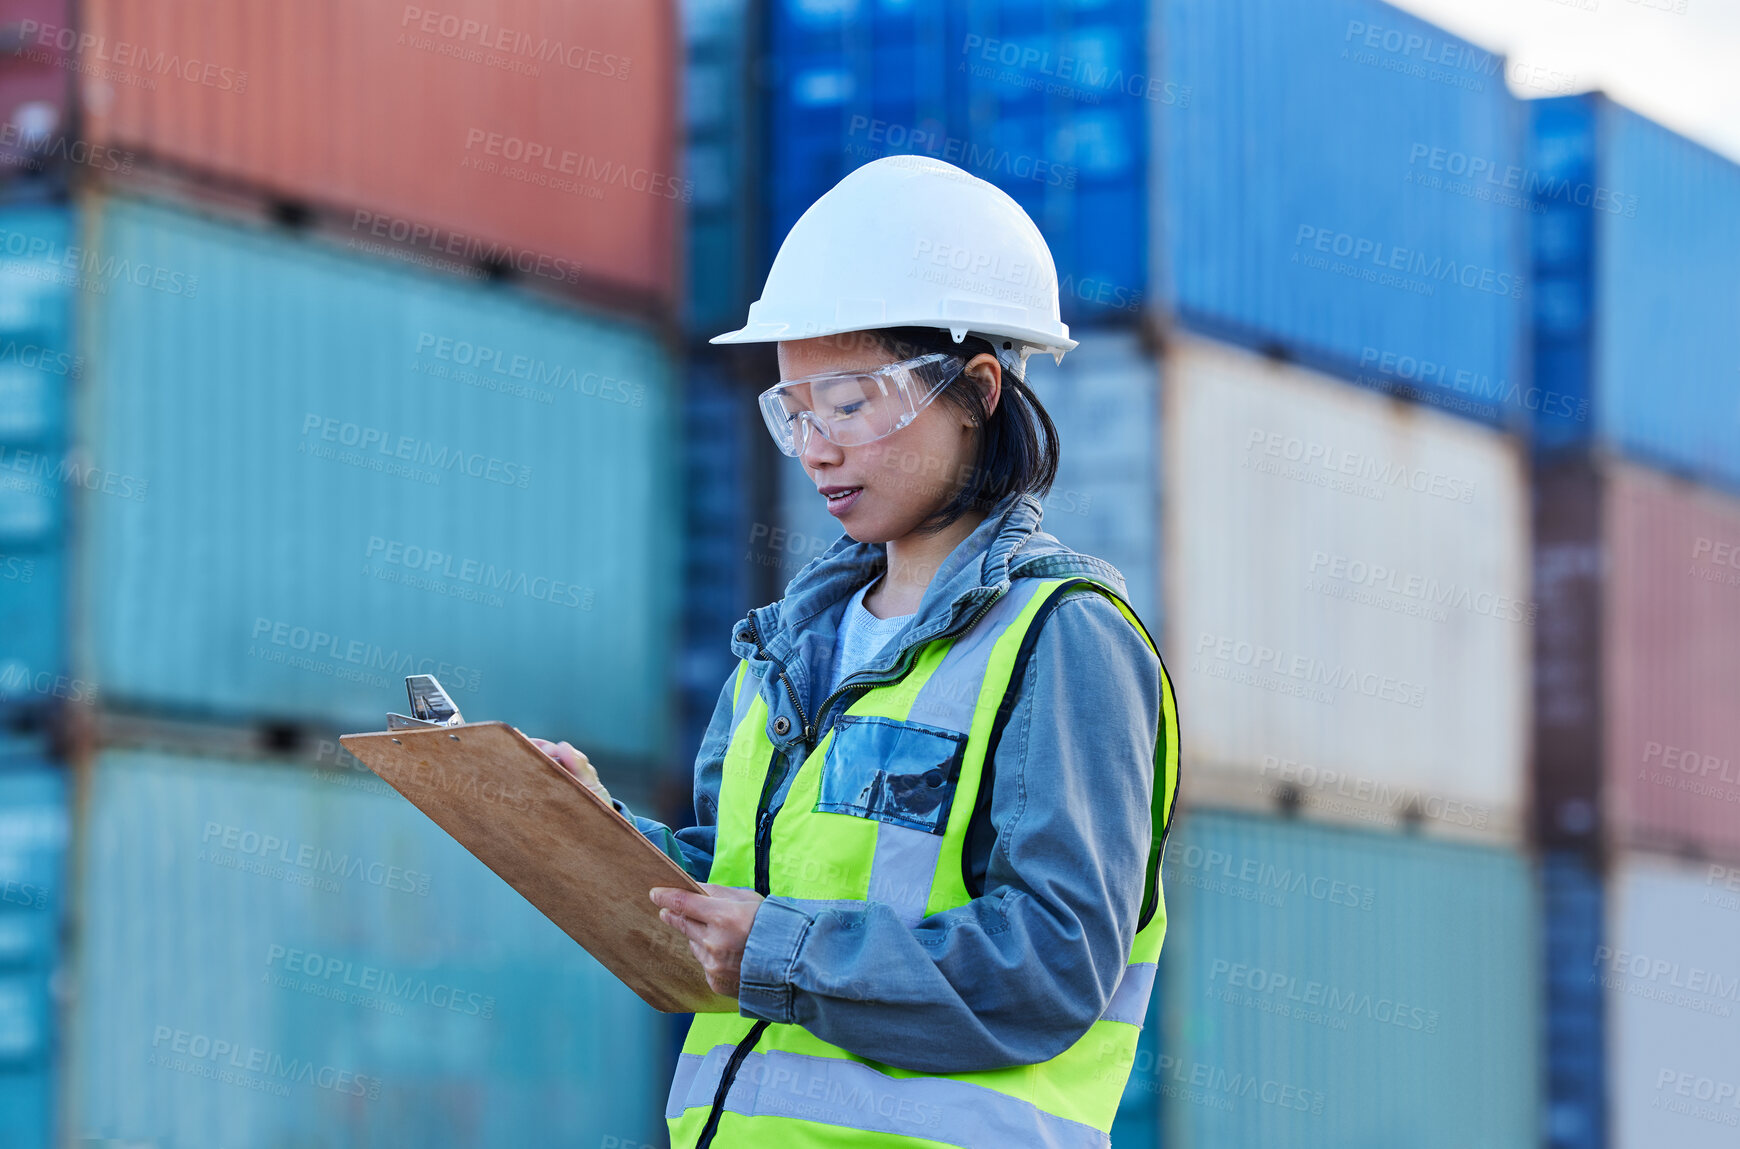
(1367, 468)
(220, 1059)
(1307, 671)
(1289, 989)
(339, 976)
(961, 152)
(1375, 256)
(270, 847)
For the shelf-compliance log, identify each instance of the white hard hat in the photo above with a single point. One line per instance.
(912, 241)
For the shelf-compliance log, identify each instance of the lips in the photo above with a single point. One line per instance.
(840, 499)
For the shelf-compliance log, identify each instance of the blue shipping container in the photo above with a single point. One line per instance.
(1329, 987)
(273, 956)
(330, 473)
(721, 423)
(33, 836)
(1576, 1102)
(1047, 100)
(1637, 266)
(32, 630)
(1338, 180)
(724, 263)
(38, 369)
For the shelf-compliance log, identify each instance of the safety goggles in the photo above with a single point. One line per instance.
(851, 408)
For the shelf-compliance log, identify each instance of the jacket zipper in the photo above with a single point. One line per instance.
(725, 1080)
(764, 835)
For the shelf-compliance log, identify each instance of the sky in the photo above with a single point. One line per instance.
(1676, 61)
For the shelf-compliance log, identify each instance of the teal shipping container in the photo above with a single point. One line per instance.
(33, 835)
(1637, 265)
(1328, 987)
(273, 956)
(38, 370)
(322, 474)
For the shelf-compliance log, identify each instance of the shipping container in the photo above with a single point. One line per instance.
(1347, 590)
(533, 135)
(38, 146)
(720, 578)
(1331, 987)
(1637, 267)
(1576, 1077)
(1672, 664)
(271, 956)
(722, 107)
(1670, 964)
(978, 85)
(1638, 574)
(1105, 400)
(38, 370)
(32, 629)
(33, 837)
(1335, 180)
(322, 474)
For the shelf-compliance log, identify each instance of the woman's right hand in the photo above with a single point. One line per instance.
(575, 763)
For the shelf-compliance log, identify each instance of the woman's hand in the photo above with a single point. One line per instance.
(717, 926)
(574, 763)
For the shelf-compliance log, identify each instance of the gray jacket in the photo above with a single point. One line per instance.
(1019, 973)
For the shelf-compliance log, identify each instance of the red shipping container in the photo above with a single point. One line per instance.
(1672, 664)
(534, 133)
(35, 92)
(1637, 662)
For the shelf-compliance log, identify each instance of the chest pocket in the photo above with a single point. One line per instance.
(902, 773)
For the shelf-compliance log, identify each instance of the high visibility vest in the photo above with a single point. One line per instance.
(879, 811)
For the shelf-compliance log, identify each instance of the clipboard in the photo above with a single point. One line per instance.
(565, 849)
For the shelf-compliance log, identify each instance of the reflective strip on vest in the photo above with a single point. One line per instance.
(834, 1091)
(743, 694)
(1130, 1000)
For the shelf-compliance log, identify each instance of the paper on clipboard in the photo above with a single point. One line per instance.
(567, 851)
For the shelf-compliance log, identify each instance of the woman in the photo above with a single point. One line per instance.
(933, 795)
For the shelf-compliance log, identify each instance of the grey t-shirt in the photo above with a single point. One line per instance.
(861, 635)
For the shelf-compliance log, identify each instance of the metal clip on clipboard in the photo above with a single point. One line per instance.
(430, 706)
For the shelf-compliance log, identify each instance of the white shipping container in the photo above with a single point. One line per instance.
(1104, 398)
(1347, 588)
(1671, 968)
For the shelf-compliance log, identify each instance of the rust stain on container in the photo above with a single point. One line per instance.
(539, 134)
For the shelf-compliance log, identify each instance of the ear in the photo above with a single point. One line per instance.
(987, 371)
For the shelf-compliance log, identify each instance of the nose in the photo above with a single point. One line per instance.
(814, 448)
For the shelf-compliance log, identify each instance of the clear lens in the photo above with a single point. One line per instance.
(855, 407)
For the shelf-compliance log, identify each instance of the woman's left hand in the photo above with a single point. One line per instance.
(717, 926)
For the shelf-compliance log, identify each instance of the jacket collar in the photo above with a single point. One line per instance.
(798, 631)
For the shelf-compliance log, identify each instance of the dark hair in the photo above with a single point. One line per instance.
(1018, 445)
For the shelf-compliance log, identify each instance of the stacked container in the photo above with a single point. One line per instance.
(724, 266)
(316, 449)
(976, 84)
(38, 371)
(1340, 188)
(1637, 570)
(33, 890)
(1348, 630)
